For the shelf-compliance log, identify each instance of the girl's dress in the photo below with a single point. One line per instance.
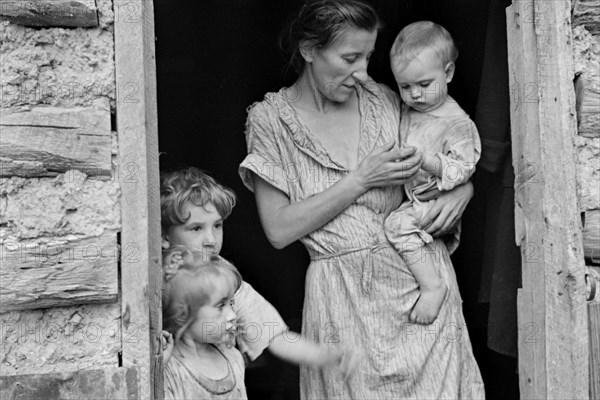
(359, 292)
(182, 383)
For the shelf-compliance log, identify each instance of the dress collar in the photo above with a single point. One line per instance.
(370, 108)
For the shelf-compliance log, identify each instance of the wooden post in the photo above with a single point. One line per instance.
(552, 314)
(594, 321)
(141, 278)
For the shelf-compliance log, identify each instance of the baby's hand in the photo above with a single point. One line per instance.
(167, 346)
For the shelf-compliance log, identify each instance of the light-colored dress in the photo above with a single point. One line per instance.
(455, 141)
(359, 292)
(181, 383)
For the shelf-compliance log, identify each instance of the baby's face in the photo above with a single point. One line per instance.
(203, 231)
(423, 82)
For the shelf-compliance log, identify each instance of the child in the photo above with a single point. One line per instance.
(193, 208)
(422, 59)
(198, 313)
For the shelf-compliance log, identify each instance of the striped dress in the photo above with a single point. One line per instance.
(359, 292)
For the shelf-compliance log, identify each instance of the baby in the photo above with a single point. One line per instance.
(422, 60)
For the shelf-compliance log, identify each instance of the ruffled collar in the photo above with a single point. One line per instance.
(370, 108)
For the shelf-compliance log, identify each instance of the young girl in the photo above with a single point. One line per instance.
(422, 59)
(198, 313)
(199, 317)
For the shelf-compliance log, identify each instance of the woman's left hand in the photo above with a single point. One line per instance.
(447, 209)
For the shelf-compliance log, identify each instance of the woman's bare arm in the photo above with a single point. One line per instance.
(286, 222)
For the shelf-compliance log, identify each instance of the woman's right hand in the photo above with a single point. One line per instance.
(384, 166)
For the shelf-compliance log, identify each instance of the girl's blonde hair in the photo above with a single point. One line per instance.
(188, 285)
(419, 36)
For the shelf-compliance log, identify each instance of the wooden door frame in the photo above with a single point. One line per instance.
(137, 127)
(552, 305)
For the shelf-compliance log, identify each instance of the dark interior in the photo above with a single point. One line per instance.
(214, 59)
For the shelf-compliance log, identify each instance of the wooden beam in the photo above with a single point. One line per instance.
(587, 94)
(46, 141)
(109, 383)
(594, 326)
(552, 314)
(59, 272)
(137, 128)
(587, 12)
(47, 13)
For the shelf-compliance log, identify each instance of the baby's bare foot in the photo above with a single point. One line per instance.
(429, 303)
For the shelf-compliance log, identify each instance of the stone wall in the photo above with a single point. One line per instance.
(58, 67)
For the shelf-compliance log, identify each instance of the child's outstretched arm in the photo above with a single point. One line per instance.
(294, 348)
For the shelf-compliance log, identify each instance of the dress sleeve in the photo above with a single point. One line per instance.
(264, 156)
(461, 153)
(260, 321)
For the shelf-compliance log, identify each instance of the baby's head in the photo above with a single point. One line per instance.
(422, 60)
(193, 207)
(198, 297)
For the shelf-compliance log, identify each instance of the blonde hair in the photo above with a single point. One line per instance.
(191, 185)
(419, 36)
(189, 286)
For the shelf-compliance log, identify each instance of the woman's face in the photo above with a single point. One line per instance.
(337, 68)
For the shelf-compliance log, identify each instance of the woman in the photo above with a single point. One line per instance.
(324, 163)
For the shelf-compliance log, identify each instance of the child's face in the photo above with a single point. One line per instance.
(423, 82)
(203, 231)
(216, 321)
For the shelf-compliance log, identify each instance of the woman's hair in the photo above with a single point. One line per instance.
(194, 186)
(421, 35)
(189, 285)
(321, 22)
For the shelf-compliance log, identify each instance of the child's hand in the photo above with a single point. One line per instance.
(345, 361)
(167, 346)
(349, 364)
(172, 264)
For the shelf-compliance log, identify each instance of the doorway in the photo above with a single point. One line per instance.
(214, 59)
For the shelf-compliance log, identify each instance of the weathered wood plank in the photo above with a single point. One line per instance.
(46, 141)
(109, 383)
(567, 359)
(591, 237)
(587, 12)
(141, 278)
(588, 105)
(594, 327)
(48, 13)
(58, 272)
(524, 118)
(553, 339)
